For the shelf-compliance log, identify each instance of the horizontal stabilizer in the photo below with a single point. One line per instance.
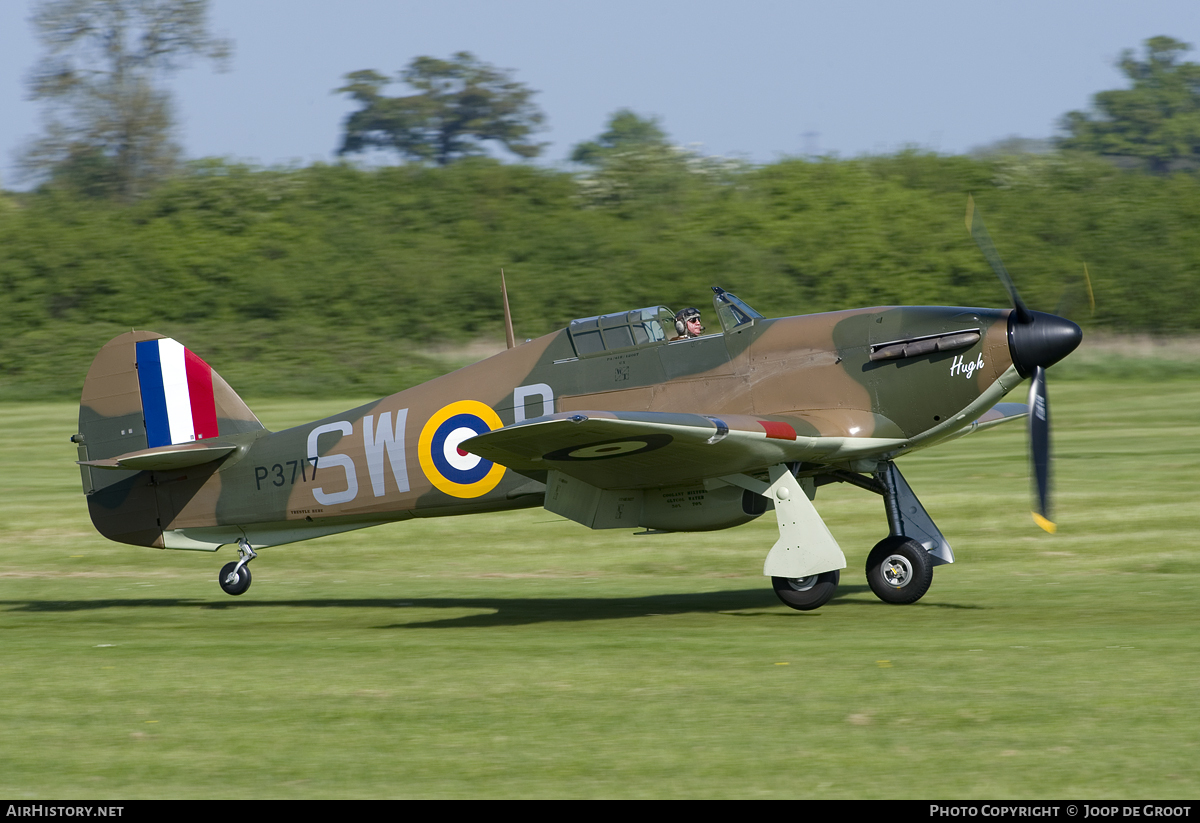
(164, 458)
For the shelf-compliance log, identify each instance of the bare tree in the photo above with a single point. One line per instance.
(109, 119)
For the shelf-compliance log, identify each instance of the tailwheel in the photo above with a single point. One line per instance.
(806, 593)
(235, 577)
(234, 580)
(899, 570)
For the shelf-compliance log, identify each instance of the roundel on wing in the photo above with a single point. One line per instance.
(623, 447)
(449, 467)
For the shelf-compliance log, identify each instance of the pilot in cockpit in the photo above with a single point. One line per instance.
(687, 324)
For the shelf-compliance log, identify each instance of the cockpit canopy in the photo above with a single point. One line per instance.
(650, 326)
(608, 332)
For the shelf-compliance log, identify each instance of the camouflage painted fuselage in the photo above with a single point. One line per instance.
(830, 391)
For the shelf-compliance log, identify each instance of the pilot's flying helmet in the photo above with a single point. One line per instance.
(683, 316)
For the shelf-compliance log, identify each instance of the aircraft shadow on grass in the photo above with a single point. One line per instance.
(517, 611)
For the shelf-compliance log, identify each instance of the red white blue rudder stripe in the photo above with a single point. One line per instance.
(177, 393)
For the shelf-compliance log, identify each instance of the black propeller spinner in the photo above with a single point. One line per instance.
(1036, 341)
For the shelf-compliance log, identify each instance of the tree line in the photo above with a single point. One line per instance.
(334, 279)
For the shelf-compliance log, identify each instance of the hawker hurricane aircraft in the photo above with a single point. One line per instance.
(637, 419)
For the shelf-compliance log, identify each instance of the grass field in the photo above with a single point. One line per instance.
(520, 655)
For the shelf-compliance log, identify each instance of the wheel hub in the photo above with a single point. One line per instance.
(802, 584)
(897, 571)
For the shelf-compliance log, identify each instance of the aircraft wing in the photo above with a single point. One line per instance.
(634, 450)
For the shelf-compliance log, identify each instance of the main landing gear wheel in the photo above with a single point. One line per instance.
(234, 580)
(806, 593)
(899, 570)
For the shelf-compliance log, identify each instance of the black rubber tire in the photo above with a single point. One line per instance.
(899, 570)
(243, 581)
(806, 593)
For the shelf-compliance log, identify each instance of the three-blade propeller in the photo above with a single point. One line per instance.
(1036, 341)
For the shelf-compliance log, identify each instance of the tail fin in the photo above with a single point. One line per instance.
(146, 391)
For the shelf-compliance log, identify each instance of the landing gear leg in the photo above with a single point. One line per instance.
(900, 567)
(804, 562)
(235, 577)
(906, 516)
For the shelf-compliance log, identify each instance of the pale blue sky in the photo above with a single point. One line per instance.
(757, 79)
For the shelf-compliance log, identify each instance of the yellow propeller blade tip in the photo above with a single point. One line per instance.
(970, 211)
(1044, 523)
